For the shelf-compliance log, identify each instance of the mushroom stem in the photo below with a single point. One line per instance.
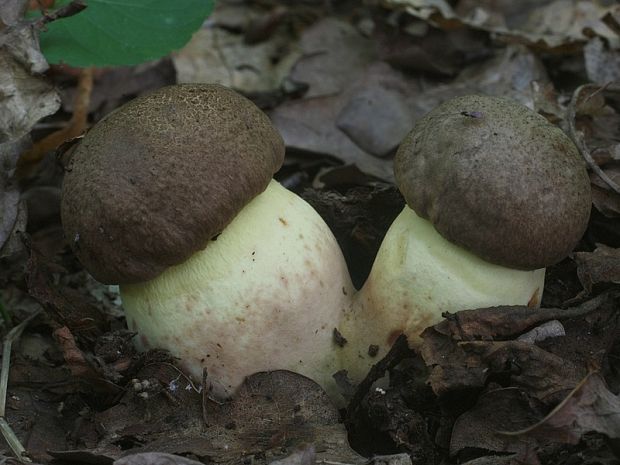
(265, 294)
(418, 275)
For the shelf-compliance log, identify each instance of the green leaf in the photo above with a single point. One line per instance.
(123, 32)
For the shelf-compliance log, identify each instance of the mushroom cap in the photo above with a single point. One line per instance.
(155, 180)
(497, 179)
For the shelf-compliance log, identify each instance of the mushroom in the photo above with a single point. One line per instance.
(171, 197)
(495, 193)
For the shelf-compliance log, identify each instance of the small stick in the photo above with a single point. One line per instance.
(64, 12)
(77, 125)
(70, 9)
(5, 428)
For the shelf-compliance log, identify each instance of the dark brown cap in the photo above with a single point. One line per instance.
(152, 182)
(497, 179)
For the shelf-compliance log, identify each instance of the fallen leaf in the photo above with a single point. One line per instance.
(600, 266)
(220, 53)
(559, 26)
(376, 119)
(496, 410)
(9, 192)
(541, 374)
(339, 67)
(303, 456)
(68, 306)
(28, 97)
(497, 460)
(272, 415)
(463, 352)
(604, 199)
(155, 458)
(602, 62)
(589, 407)
(273, 410)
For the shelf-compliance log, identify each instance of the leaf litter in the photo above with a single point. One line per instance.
(343, 83)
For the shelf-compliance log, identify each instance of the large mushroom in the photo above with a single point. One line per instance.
(171, 197)
(495, 193)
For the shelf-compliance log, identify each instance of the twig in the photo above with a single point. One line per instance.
(70, 9)
(5, 428)
(579, 140)
(64, 12)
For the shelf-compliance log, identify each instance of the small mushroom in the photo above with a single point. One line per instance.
(495, 193)
(171, 197)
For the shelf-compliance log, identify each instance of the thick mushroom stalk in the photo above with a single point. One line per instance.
(266, 294)
(416, 277)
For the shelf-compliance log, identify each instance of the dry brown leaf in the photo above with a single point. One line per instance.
(604, 199)
(339, 67)
(26, 98)
(463, 356)
(589, 407)
(229, 49)
(155, 458)
(75, 359)
(600, 266)
(541, 374)
(68, 306)
(303, 456)
(602, 62)
(560, 25)
(496, 410)
(272, 415)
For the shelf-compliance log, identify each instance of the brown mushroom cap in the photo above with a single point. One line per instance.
(497, 179)
(155, 180)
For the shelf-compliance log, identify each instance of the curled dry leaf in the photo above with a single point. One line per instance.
(272, 415)
(344, 109)
(541, 374)
(26, 98)
(155, 458)
(604, 199)
(305, 455)
(462, 354)
(67, 306)
(75, 359)
(217, 55)
(602, 62)
(589, 407)
(600, 266)
(497, 410)
(561, 25)
(511, 459)
(504, 322)
(549, 329)
(276, 410)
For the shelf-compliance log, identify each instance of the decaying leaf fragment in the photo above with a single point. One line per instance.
(497, 410)
(560, 25)
(600, 266)
(471, 347)
(589, 407)
(272, 416)
(155, 458)
(25, 97)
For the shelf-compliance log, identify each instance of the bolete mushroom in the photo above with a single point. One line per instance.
(495, 193)
(171, 197)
